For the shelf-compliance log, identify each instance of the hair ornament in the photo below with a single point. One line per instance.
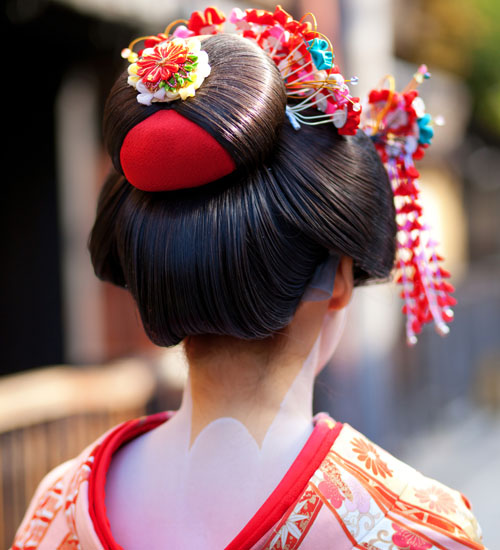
(401, 131)
(306, 61)
(210, 21)
(173, 66)
(167, 69)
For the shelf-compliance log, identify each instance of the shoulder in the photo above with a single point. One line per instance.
(55, 511)
(380, 499)
(48, 517)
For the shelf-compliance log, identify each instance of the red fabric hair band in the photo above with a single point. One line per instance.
(166, 151)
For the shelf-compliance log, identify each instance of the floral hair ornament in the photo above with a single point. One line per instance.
(305, 59)
(303, 55)
(401, 131)
(172, 66)
(167, 69)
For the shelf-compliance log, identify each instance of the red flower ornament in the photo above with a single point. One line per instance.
(164, 60)
(208, 22)
(173, 69)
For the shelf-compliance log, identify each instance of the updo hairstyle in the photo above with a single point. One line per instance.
(234, 257)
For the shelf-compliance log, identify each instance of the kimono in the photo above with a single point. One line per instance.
(342, 492)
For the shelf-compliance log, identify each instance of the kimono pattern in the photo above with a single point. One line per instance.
(342, 492)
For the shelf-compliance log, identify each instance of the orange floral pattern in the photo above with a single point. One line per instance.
(437, 499)
(368, 454)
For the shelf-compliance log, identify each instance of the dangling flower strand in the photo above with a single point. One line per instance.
(401, 131)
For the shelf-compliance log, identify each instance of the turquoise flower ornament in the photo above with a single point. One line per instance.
(321, 55)
(426, 131)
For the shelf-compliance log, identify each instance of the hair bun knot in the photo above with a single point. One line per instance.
(166, 151)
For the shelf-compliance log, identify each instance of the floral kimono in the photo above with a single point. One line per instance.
(341, 493)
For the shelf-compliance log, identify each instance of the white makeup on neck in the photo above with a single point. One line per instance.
(203, 495)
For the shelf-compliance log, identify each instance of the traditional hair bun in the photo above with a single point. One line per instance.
(235, 257)
(238, 112)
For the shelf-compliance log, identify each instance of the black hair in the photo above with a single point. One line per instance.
(234, 257)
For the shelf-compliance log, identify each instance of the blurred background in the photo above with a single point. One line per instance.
(74, 358)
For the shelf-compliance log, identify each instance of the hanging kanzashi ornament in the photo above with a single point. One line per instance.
(401, 131)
